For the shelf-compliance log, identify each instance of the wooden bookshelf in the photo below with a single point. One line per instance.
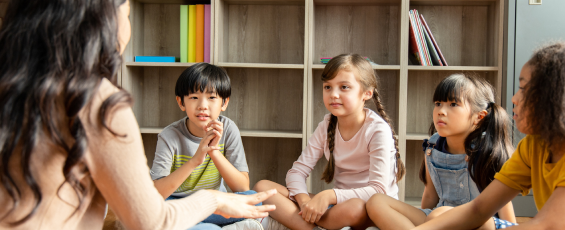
(271, 49)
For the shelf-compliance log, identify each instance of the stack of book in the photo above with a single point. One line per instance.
(424, 49)
(195, 33)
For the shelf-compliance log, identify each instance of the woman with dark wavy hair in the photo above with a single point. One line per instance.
(69, 142)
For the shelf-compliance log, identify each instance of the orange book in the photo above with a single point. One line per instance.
(199, 33)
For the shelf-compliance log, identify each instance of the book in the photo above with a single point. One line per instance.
(434, 40)
(207, 39)
(184, 33)
(154, 59)
(191, 33)
(422, 39)
(421, 58)
(416, 53)
(433, 53)
(199, 33)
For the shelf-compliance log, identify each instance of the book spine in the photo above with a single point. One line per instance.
(422, 39)
(191, 33)
(207, 29)
(154, 59)
(433, 40)
(413, 45)
(433, 52)
(184, 33)
(421, 56)
(199, 33)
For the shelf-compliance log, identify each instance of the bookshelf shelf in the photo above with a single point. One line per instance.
(453, 68)
(375, 67)
(261, 65)
(160, 64)
(417, 136)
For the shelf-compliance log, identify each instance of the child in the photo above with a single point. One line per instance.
(360, 146)
(203, 148)
(471, 144)
(538, 161)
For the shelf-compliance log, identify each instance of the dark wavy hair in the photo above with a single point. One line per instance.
(368, 79)
(544, 94)
(54, 55)
(489, 146)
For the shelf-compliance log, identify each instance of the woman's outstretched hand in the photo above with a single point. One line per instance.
(243, 206)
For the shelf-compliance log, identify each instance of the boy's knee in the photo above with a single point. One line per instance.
(263, 185)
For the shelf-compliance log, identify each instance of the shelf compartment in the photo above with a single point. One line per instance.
(375, 67)
(270, 158)
(260, 32)
(388, 81)
(421, 87)
(261, 65)
(413, 161)
(467, 32)
(368, 28)
(155, 30)
(266, 99)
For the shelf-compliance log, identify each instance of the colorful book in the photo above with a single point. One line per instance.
(207, 39)
(191, 33)
(422, 38)
(199, 33)
(433, 53)
(416, 44)
(433, 40)
(154, 59)
(184, 33)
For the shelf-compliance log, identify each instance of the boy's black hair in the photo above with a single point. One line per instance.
(203, 77)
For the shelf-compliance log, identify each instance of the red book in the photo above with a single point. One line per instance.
(414, 47)
(433, 40)
(422, 38)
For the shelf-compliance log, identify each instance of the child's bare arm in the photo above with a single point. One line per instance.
(430, 197)
(236, 180)
(550, 216)
(507, 213)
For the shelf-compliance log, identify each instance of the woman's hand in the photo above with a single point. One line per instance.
(314, 209)
(243, 206)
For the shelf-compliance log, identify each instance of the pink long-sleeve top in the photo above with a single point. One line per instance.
(364, 165)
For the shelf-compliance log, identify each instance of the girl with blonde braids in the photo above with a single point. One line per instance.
(361, 149)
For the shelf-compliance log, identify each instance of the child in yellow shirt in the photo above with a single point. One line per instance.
(537, 163)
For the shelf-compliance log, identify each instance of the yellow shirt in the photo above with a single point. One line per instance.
(527, 168)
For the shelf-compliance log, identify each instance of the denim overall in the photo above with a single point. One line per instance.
(451, 178)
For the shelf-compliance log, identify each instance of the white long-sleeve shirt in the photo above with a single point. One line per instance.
(364, 165)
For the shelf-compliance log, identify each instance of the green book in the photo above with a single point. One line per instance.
(192, 33)
(184, 33)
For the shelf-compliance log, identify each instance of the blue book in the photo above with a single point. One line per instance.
(154, 59)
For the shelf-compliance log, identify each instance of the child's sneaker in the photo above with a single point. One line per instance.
(247, 224)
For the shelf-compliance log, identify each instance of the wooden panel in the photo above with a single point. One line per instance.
(413, 161)
(371, 31)
(421, 87)
(270, 158)
(266, 98)
(265, 34)
(388, 91)
(150, 146)
(161, 30)
(461, 33)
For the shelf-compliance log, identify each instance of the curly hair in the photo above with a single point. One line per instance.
(54, 55)
(544, 94)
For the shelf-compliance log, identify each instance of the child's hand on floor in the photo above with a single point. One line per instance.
(216, 127)
(314, 209)
(203, 149)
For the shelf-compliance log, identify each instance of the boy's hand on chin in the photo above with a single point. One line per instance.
(203, 149)
(217, 128)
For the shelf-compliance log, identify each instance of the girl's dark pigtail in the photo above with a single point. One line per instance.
(489, 145)
(328, 174)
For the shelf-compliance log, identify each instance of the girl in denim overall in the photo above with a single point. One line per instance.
(471, 145)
